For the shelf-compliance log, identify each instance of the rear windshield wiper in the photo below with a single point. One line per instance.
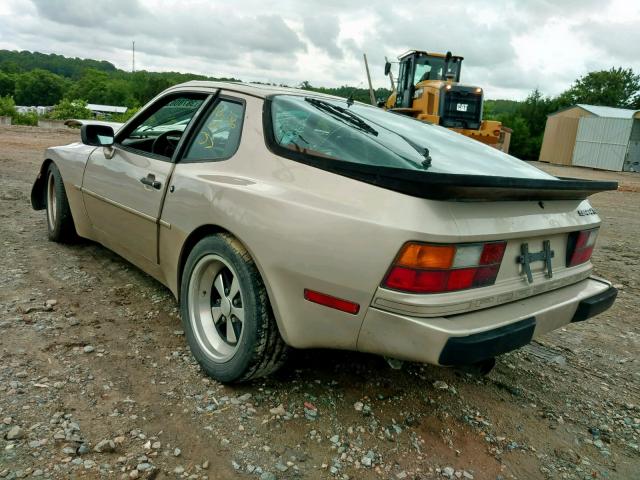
(342, 114)
(424, 151)
(353, 119)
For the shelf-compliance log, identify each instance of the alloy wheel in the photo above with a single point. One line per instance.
(51, 201)
(216, 308)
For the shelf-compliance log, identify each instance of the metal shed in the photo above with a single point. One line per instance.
(96, 108)
(592, 136)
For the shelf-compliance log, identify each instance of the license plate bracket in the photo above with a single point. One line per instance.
(526, 258)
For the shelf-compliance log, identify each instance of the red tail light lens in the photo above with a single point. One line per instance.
(580, 246)
(426, 268)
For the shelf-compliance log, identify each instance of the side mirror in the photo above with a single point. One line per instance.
(387, 68)
(97, 135)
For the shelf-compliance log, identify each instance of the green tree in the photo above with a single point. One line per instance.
(527, 119)
(70, 109)
(492, 108)
(522, 144)
(617, 87)
(25, 61)
(123, 117)
(534, 111)
(92, 86)
(9, 66)
(39, 87)
(119, 93)
(7, 106)
(7, 85)
(100, 87)
(28, 118)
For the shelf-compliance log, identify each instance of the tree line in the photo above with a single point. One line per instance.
(32, 78)
(616, 87)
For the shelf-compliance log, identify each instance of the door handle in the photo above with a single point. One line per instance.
(151, 181)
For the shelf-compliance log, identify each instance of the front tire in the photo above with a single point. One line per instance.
(60, 227)
(226, 314)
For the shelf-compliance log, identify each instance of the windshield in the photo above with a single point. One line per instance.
(359, 133)
(175, 115)
(433, 68)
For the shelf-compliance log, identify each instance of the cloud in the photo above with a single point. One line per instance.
(510, 47)
(617, 42)
(323, 32)
(82, 13)
(202, 31)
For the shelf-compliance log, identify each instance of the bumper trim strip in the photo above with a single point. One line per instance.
(481, 346)
(592, 306)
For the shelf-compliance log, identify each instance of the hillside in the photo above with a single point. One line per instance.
(33, 78)
(25, 61)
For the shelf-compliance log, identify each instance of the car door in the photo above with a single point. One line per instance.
(124, 186)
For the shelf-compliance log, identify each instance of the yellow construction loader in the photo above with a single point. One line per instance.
(428, 89)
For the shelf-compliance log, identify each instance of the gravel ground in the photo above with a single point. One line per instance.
(96, 380)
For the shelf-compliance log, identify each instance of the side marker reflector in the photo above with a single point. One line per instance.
(331, 302)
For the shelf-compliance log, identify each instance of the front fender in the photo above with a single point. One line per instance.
(38, 196)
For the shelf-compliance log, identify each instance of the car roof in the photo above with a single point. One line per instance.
(254, 89)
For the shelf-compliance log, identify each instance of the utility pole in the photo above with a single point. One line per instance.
(393, 83)
(371, 94)
(133, 56)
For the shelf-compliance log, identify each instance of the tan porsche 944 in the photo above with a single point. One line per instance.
(281, 217)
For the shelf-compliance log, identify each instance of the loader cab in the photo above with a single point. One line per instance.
(429, 90)
(417, 66)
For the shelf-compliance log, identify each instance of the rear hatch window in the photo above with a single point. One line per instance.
(401, 153)
(368, 135)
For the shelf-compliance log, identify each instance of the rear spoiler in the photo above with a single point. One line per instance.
(464, 188)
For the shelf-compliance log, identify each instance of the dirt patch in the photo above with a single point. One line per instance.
(92, 355)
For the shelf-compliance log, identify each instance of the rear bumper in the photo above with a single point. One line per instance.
(480, 346)
(472, 337)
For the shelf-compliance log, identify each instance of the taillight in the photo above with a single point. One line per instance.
(580, 246)
(432, 268)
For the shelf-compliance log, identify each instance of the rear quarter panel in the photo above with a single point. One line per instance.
(308, 228)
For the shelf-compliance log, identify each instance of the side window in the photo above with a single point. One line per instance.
(423, 72)
(219, 136)
(160, 131)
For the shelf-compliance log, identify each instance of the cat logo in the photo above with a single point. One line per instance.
(462, 107)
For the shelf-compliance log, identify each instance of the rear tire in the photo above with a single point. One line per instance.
(227, 318)
(480, 369)
(60, 227)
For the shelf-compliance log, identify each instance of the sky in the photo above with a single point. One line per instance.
(510, 47)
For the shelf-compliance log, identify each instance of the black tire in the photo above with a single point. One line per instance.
(60, 227)
(479, 369)
(260, 349)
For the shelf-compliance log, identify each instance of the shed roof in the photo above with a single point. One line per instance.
(609, 112)
(604, 112)
(94, 107)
